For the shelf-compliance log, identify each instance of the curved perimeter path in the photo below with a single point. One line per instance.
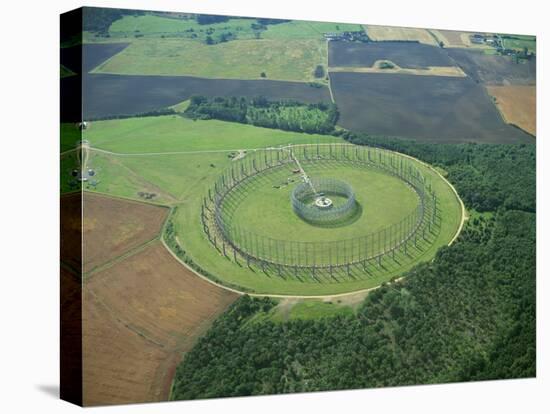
(463, 218)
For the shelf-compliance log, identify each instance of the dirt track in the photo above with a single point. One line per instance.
(112, 227)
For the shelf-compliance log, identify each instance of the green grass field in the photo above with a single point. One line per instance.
(193, 153)
(519, 42)
(303, 309)
(312, 309)
(383, 199)
(289, 60)
(181, 180)
(301, 29)
(179, 175)
(174, 133)
(195, 243)
(155, 26)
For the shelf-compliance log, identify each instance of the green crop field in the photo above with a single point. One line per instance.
(175, 133)
(149, 25)
(519, 42)
(286, 59)
(301, 29)
(155, 26)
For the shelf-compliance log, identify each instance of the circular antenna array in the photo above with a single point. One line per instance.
(320, 201)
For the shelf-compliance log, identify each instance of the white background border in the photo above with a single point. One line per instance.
(29, 126)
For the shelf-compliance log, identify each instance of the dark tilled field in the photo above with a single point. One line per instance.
(425, 108)
(70, 99)
(493, 69)
(405, 55)
(71, 232)
(92, 55)
(108, 95)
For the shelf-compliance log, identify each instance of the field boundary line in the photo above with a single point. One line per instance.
(303, 81)
(144, 181)
(462, 207)
(494, 101)
(61, 154)
(263, 295)
(97, 68)
(443, 71)
(86, 276)
(197, 273)
(438, 41)
(328, 73)
(127, 325)
(122, 154)
(121, 197)
(126, 154)
(115, 260)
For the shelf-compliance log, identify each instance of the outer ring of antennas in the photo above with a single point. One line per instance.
(241, 243)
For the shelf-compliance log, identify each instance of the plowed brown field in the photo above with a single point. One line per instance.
(517, 104)
(71, 231)
(112, 227)
(140, 316)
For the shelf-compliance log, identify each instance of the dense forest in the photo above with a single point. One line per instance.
(468, 315)
(487, 177)
(286, 115)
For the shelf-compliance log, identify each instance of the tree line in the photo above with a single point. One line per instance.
(160, 112)
(318, 118)
(487, 176)
(468, 315)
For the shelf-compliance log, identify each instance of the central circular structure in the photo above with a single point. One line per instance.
(323, 202)
(310, 202)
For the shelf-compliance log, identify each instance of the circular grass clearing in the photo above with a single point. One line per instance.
(382, 198)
